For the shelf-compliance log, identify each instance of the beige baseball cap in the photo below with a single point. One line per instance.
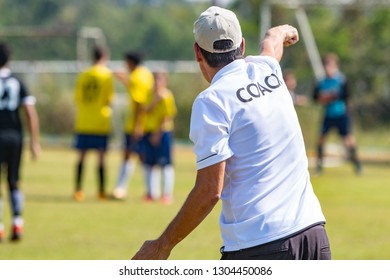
(216, 24)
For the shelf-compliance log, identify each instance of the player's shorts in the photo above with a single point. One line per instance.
(310, 244)
(10, 153)
(157, 155)
(130, 144)
(91, 142)
(342, 124)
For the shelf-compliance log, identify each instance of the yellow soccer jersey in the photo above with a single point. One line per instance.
(93, 96)
(166, 107)
(141, 84)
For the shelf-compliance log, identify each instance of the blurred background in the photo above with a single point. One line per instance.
(51, 40)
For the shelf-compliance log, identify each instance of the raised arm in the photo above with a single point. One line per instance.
(277, 38)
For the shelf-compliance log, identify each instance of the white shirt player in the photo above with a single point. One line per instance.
(247, 118)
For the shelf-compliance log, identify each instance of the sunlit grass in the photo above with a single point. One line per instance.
(56, 227)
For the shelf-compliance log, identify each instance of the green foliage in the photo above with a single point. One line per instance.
(163, 31)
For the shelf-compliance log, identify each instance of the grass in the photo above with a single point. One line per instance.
(57, 228)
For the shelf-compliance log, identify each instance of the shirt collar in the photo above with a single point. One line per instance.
(238, 63)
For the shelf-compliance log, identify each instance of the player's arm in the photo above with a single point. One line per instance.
(157, 98)
(33, 126)
(155, 138)
(345, 92)
(199, 203)
(110, 91)
(316, 93)
(327, 97)
(138, 117)
(323, 97)
(123, 77)
(277, 38)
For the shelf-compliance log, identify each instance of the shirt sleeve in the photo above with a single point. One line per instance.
(141, 84)
(209, 132)
(25, 97)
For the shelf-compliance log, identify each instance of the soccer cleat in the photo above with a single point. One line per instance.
(16, 233)
(79, 196)
(319, 168)
(148, 198)
(119, 193)
(166, 200)
(102, 196)
(1, 233)
(358, 168)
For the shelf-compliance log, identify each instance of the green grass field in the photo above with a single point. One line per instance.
(57, 228)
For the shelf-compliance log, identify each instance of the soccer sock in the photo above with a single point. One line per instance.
(353, 154)
(354, 159)
(125, 173)
(168, 174)
(101, 172)
(155, 190)
(16, 198)
(153, 181)
(79, 174)
(148, 178)
(320, 153)
(18, 221)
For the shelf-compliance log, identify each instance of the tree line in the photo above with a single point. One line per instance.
(162, 29)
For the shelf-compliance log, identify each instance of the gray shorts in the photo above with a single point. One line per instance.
(309, 244)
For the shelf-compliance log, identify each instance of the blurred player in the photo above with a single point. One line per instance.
(138, 80)
(93, 96)
(333, 93)
(13, 96)
(158, 140)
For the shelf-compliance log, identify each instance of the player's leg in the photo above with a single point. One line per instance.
(320, 145)
(152, 180)
(81, 144)
(2, 158)
(126, 169)
(1, 206)
(15, 194)
(345, 131)
(101, 170)
(168, 172)
(101, 144)
(78, 193)
(148, 153)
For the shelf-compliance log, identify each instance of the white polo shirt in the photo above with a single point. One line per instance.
(247, 118)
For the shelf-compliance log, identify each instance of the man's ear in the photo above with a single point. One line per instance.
(198, 53)
(243, 45)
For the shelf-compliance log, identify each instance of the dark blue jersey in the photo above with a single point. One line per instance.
(12, 95)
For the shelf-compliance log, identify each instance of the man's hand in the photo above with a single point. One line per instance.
(290, 35)
(151, 250)
(35, 148)
(278, 38)
(327, 97)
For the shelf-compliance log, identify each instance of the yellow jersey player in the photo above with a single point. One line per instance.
(139, 82)
(156, 148)
(93, 96)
